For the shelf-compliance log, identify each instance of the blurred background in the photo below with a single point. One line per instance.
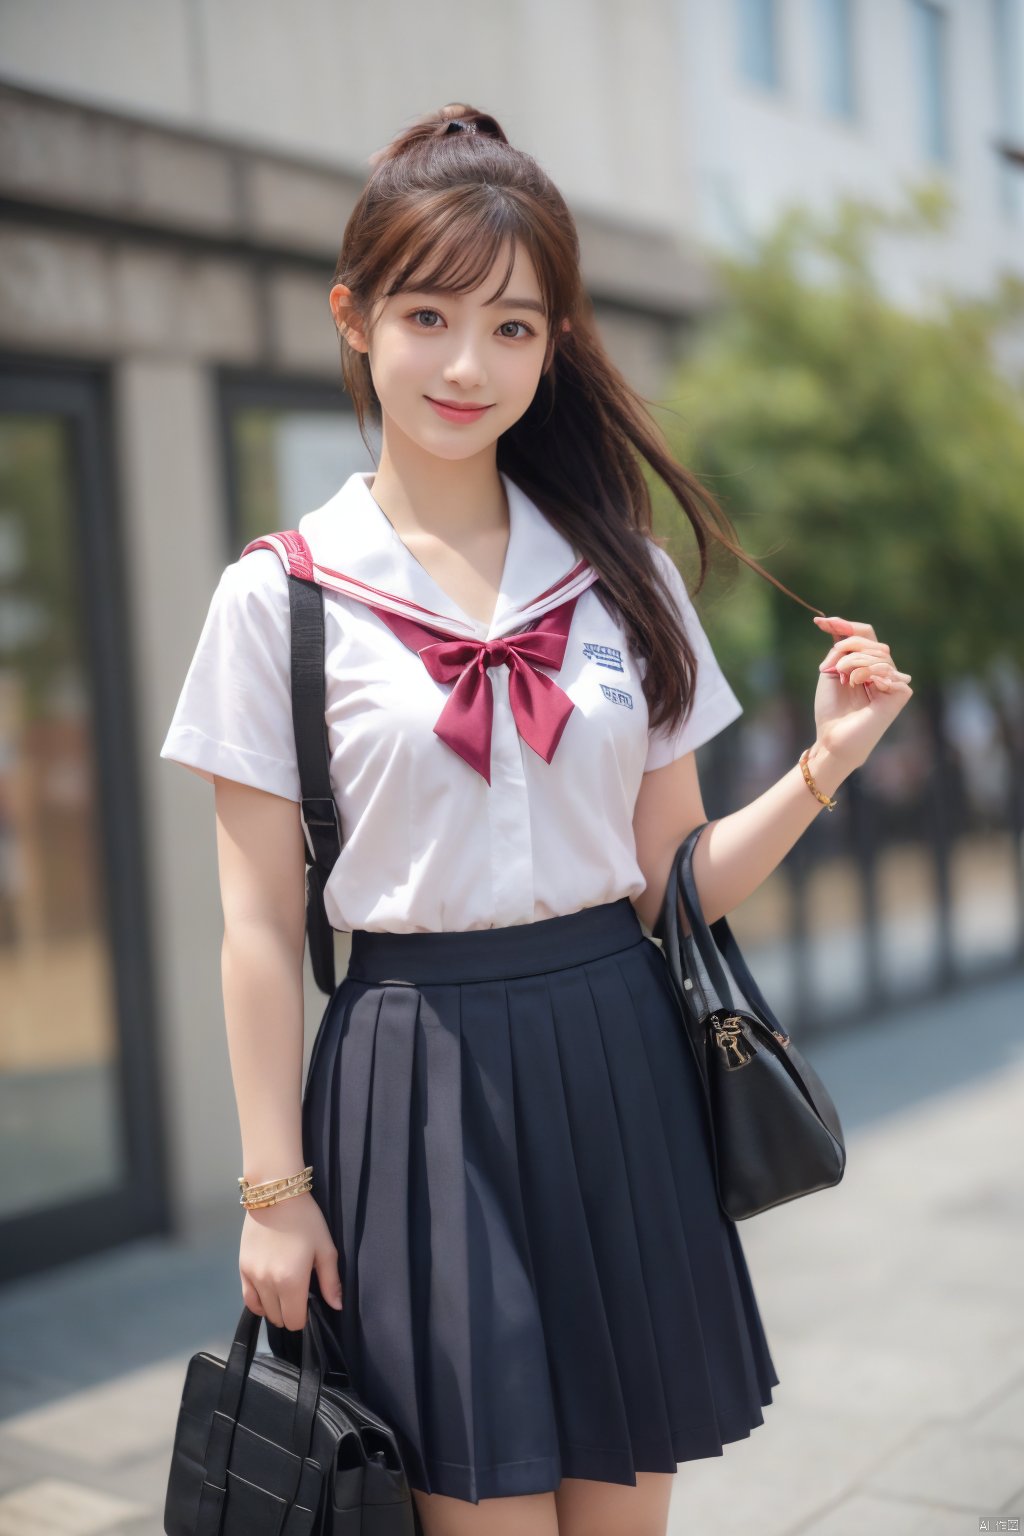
(802, 225)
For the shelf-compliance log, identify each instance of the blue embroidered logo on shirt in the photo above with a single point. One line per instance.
(604, 655)
(617, 696)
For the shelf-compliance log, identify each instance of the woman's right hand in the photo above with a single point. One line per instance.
(281, 1245)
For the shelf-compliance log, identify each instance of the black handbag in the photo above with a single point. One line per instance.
(267, 1448)
(774, 1129)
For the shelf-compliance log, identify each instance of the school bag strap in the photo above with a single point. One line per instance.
(318, 810)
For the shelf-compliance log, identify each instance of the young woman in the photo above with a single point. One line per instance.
(512, 1206)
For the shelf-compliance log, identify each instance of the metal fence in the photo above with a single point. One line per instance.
(914, 885)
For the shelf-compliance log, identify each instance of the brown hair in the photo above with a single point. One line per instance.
(442, 200)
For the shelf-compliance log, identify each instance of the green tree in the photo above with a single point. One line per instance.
(870, 458)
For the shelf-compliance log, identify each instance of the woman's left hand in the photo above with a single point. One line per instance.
(860, 690)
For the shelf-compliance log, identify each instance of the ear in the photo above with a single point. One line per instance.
(347, 319)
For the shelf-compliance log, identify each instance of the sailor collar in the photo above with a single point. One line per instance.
(354, 549)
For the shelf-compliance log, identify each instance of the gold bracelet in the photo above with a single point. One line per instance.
(269, 1185)
(259, 1205)
(257, 1196)
(815, 791)
(284, 1194)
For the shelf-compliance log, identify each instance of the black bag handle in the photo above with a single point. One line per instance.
(711, 941)
(225, 1417)
(321, 825)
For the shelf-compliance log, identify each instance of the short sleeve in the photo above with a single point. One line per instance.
(715, 704)
(234, 714)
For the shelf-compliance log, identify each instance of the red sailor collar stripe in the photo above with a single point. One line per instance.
(297, 558)
(453, 651)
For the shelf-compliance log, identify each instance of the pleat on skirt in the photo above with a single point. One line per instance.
(509, 1146)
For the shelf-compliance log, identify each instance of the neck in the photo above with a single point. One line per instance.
(445, 499)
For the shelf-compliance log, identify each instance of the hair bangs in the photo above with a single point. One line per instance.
(452, 251)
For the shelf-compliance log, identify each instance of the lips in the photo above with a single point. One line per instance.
(458, 413)
(457, 405)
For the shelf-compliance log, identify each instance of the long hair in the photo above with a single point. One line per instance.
(443, 199)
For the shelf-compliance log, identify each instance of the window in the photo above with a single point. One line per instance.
(77, 1063)
(931, 47)
(1008, 40)
(758, 40)
(835, 46)
(290, 445)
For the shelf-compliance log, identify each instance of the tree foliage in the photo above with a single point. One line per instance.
(872, 459)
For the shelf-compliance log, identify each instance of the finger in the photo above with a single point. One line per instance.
(251, 1298)
(271, 1305)
(294, 1308)
(872, 673)
(329, 1279)
(840, 626)
(892, 685)
(885, 669)
(855, 674)
(857, 643)
(856, 661)
(844, 666)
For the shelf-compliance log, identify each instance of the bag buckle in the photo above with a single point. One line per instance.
(319, 817)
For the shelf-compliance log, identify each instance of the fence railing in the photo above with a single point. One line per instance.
(913, 886)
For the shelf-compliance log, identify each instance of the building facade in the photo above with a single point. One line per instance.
(786, 101)
(174, 181)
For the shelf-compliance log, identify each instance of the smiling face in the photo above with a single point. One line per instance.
(475, 349)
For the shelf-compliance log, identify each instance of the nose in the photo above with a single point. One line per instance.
(465, 366)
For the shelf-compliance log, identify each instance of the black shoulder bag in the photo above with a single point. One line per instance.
(774, 1129)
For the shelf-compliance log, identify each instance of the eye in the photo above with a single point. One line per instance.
(522, 323)
(527, 328)
(424, 312)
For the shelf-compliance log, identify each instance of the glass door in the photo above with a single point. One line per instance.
(289, 446)
(78, 1137)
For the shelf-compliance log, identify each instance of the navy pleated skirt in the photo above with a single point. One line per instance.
(509, 1147)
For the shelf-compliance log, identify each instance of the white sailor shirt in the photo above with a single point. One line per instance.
(429, 843)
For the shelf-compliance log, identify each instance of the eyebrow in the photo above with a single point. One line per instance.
(502, 303)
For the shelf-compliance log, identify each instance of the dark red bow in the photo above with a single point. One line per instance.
(540, 708)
